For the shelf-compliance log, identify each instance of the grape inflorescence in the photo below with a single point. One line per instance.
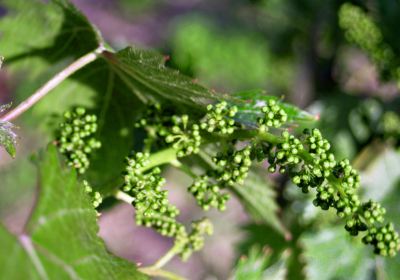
(306, 158)
(76, 138)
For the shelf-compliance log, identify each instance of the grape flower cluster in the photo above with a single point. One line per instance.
(310, 164)
(96, 197)
(194, 241)
(149, 200)
(219, 118)
(76, 138)
(154, 210)
(306, 158)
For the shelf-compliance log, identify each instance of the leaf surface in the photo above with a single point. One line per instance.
(61, 239)
(258, 197)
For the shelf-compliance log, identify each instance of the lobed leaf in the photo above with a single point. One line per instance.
(60, 240)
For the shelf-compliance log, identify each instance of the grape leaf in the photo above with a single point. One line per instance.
(49, 31)
(257, 265)
(60, 240)
(258, 197)
(12, 256)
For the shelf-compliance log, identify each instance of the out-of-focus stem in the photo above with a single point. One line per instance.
(52, 83)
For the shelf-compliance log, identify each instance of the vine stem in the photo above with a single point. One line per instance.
(120, 195)
(166, 257)
(160, 273)
(155, 269)
(52, 83)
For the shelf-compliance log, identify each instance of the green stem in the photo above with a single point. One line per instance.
(167, 257)
(160, 273)
(185, 169)
(52, 83)
(120, 195)
(165, 156)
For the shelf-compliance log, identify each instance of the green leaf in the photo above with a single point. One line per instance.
(333, 254)
(8, 138)
(145, 74)
(379, 178)
(249, 103)
(51, 31)
(14, 260)
(60, 240)
(258, 265)
(258, 197)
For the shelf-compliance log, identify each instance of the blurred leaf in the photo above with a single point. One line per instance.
(60, 241)
(253, 100)
(258, 197)
(382, 172)
(221, 58)
(332, 254)
(257, 265)
(361, 29)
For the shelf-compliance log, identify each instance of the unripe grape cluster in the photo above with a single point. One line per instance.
(336, 184)
(273, 116)
(286, 153)
(154, 210)
(219, 118)
(194, 241)
(307, 159)
(149, 200)
(384, 239)
(233, 166)
(176, 131)
(186, 140)
(76, 138)
(96, 197)
(208, 194)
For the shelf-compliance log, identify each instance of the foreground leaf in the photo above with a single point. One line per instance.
(60, 240)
